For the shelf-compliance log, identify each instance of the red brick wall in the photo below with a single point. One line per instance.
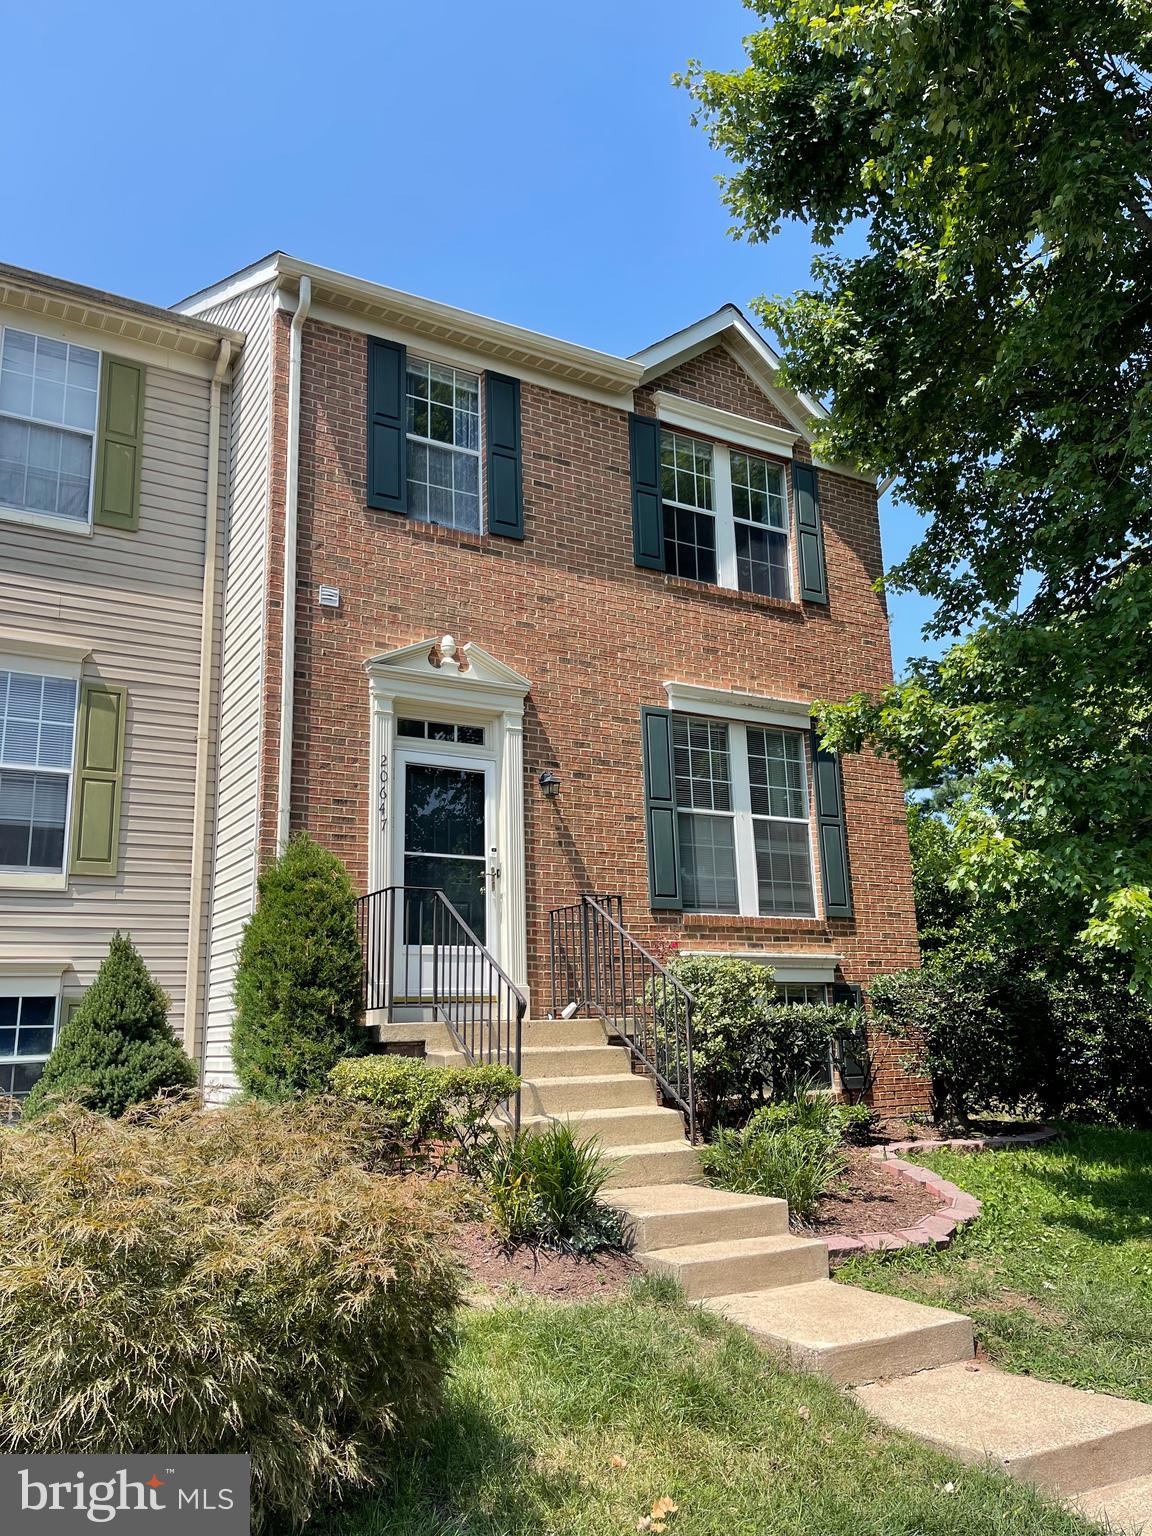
(715, 378)
(598, 637)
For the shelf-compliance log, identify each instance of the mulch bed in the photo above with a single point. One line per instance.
(540, 1272)
(872, 1198)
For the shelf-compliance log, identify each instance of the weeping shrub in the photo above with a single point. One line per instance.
(117, 1048)
(226, 1282)
(297, 992)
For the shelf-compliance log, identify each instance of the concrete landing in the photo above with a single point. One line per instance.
(1060, 1438)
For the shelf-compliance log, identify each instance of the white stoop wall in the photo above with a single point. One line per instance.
(134, 600)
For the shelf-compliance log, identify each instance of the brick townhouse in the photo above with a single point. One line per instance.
(519, 620)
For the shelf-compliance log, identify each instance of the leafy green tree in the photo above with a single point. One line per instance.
(298, 1003)
(117, 1049)
(978, 176)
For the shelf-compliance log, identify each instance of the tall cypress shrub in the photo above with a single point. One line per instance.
(297, 988)
(117, 1049)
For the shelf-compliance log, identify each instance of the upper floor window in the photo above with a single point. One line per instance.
(725, 516)
(743, 818)
(443, 424)
(37, 728)
(48, 400)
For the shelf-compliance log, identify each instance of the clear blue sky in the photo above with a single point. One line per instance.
(528, 162)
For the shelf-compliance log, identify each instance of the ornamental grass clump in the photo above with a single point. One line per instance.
(238, 1281)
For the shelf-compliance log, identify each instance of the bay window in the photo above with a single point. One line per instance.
(743, 818)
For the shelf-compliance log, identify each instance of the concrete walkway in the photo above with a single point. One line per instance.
(911, 1366)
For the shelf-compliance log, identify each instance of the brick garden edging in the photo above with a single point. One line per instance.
(938, 1229)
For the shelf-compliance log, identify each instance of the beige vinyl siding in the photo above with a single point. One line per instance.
(135, 598)
(237, 775)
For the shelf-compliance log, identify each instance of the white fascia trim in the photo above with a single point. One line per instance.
(738, 704)
(697, 337)
(786, 966)
(732, 428)
(29, 642)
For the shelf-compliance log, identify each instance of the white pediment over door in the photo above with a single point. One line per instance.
(438, 668)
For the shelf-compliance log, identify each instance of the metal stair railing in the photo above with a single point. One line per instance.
(595, 963)
(417, 951)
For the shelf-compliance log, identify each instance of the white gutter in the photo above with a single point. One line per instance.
(288, 640)
(204, 704)
(887, 485)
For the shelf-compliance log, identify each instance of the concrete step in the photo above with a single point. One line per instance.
(618, 1127)
(847, 1334)
(646, 1163)
(1125, 1506)
(545, 1032)
(574, 1061)
(572, 1095)
(1063, 1439)
(671, 1215)
(742, 1264)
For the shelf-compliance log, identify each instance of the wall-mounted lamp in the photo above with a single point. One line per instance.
(550, 783)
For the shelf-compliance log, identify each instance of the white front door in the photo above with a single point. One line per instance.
(444, 839)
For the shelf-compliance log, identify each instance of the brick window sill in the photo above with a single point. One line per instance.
(436, 533)
(782, 927)
(785, 608)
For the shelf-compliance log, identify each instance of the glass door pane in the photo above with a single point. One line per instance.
(444, 844)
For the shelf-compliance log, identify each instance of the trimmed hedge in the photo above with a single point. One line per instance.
(225, 1282)
(423, 1105)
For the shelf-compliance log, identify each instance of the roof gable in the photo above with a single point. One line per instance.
(729, 330)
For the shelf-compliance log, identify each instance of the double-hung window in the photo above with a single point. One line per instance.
(28, 1017)
(443, 423)
(48, 401)
(37, 728)
(743, 819)
(725, 516)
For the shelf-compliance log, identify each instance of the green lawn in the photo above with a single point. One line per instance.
(1057, 1272)
(571, 1420)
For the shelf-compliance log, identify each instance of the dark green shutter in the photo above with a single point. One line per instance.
(505, 470)
(98, 778)
(70, 1006)
(830, 831)
(116, 503)
(647, 507)
(809, 535)
(660, 810)
(387, 428)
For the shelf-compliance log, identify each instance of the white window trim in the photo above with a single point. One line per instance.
(37, 981)
(744, 819)
(737, 704)
(710, 421)
(723, 514)
(46, 658)
(431, 442)
(50, 520)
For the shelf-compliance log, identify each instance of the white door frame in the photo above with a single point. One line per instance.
(425, 680)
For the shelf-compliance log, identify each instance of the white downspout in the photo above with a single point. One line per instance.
(204, 704)
(288, 641)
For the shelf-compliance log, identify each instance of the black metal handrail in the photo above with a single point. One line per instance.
(595, 963)
(417, 951)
